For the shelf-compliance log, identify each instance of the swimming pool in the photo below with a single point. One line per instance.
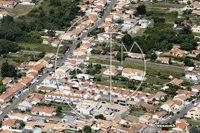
(40, 120)
(37, 131)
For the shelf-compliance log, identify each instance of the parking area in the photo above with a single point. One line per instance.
(105, 112)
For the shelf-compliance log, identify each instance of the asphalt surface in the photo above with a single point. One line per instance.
(175, 116)
(138, 60)
(58, 63)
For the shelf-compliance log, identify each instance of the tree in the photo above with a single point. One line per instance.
(87, 129)
(55, 3)
(7, 20)
(141, 9)
(19, 75)
(97, 66)
(41, 55)
(22, 125)
(51, 11)
(127, 40)
(58, 110)
(100, 116)
(51, 33)
(8, 70)
(153, 57)
(8, 46)
(119, 55)
(186, 30)
(2, 89)
(188, 62)
(187, 46)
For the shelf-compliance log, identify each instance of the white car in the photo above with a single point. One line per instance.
(106, 112)
(195, 104)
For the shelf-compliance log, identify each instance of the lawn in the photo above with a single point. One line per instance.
(151, 69)
(154, 80)
(193, 122)
(164, 5)
(20, 9)
(38, 47)
(131, 119)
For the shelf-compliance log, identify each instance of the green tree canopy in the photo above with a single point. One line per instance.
(118, 56)
(141, 9)
(8, 46)
(127, 40)
(87, 129)
(8, 70)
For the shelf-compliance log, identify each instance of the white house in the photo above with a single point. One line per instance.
(168, 106)
(110, 71)
(134, 30)
(55, 43)
(192, 76)
(18, 116)
(109, 18)
(196, 88)
(159, 115)
(144, 23)
(43, 111)
(3, 13)
(163, 60)
(87, 107)
(48, 81)
(132, 73)
(9, 124)
(103, 37)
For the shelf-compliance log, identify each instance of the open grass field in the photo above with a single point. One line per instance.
(193, 122)
(20, 9)
(154, 80)
(151, 69)
(164, 5)
(38, 47)
(131, 119)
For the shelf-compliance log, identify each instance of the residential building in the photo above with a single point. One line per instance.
(48, 81)
(87, 107)
(9, 124)
(110, 71)
(109, 18)
(134, 30)
(55, 43)
(3, 13)
(168, 106)
(43, 111)
(18, 116)
(163, 60)
(133, 73)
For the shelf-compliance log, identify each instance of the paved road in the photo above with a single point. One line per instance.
(138, 60)
(60, 61)
(176, 116)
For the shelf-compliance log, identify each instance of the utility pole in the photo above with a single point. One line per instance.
(121, 54)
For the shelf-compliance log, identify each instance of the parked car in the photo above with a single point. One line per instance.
(195, 104)
(106, 112)
(112, 114)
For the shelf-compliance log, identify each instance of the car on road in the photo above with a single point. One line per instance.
(103, 102)
(106, 112)
(112, 114)
(178, 112)
(193, 101)
(195, 104)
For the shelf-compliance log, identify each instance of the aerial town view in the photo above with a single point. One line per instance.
(99, 66)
